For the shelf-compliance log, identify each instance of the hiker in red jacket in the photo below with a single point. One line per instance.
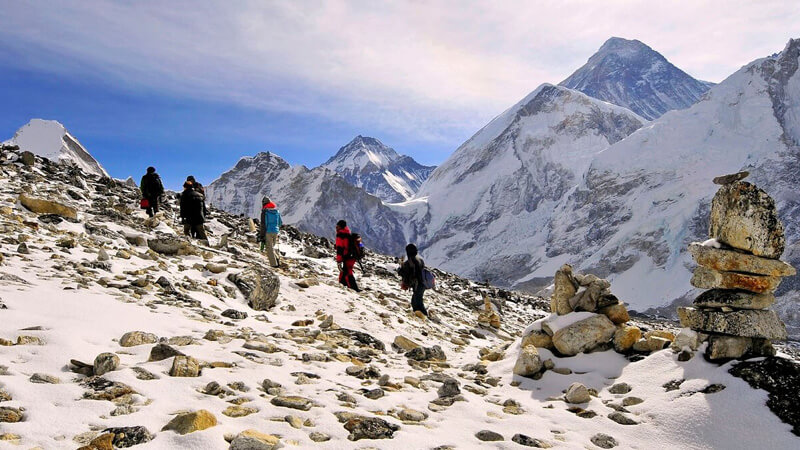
(345, 258)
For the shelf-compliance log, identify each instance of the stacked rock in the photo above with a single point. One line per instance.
(739, 266)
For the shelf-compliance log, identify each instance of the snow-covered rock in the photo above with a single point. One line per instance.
(49, 139)
(367, 163)
(629, 73)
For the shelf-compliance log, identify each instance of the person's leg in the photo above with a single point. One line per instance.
(187, 229)
(154, 205)
(200, 232)
(351, 279)
(416, 299)
(269, 246)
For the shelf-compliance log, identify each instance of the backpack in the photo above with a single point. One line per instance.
(355, 248)
(428, 279)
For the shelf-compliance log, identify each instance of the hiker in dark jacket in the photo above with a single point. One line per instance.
(192, 212)
(269, 226)
(344, 257)
(152, 189)
(199, 188)
(411, 274)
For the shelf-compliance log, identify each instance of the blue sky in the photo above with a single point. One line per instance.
(190, 86)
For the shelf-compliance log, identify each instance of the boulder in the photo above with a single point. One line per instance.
(27, 158)
(190, 422)
(255, 440)
(489, 436)
(565, 288)
(736, 299)
(591, 298)
(134, 338)
(734, 347)
(185, 366)
(577, 393)
(537, 338)
(434, 353)
(258, 285)
(293, 401)
(616, 313)
(160, 352)
(449, 388)
(528, 362)
(11, 415)
(584, 335)
(42, 206)
(105, 362)
(405, 344)
(736, 261)
(369, 428)
(763, 324)
(171, 245)
(686, 338)
(103, 442)
(124, 437)
(744, 217)
(705, 278)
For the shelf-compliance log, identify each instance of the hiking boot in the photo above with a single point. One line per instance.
(420, 314)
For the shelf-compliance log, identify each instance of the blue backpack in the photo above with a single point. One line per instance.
(428, 279)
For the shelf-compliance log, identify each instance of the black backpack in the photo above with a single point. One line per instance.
(355, 248)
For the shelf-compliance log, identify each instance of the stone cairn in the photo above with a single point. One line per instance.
(585, 316)
(739, 266)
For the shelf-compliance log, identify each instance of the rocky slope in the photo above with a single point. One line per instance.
(118, 332)
(629, 73)
(313, 200)
(49, 139)
(367, 163)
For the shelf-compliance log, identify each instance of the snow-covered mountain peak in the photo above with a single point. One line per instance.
(631, 74)
(50, 139)
(361, 152)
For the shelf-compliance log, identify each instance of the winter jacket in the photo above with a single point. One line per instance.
(343, 244)
(151, 185)
(270, 220)
(192, 207)
(411, 271)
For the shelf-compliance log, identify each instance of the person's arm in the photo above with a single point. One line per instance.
(262, 226)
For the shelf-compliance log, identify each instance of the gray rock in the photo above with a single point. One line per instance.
(134, 338)
(27, 158)
(184, 366)
(734, 347)
(160, 352)
(374, 394)
(125, 437)
(731, 178)
(744, 217)
(259, 285)
(584, 335)
(565, 287)
(105, 362)
(171, 245)
(43, 378)
(426, 354)
(412, 415)
(528, 441)
(622, 419)
(726, 298)
(293, 401)
(528, 362)
(316, 436)
(745, 323)
(234, 314)
(620, 388)
(488, 436)
(604, 441)
(577, 393)
(449, 388)
(369, 428)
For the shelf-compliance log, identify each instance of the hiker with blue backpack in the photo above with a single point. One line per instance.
(417, 278)
(268, 229)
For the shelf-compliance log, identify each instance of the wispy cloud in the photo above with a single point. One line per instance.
(433, 68)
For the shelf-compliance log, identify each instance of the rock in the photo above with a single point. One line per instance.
(577, 393)
(616, 313)
(369, 428)
(234, 314)
(537, 338)
(255, 440)
(726, 298)
(42, 206)
(239, 411)
(656, 343)
(589, 298)
(102, 255)
(584, 335)
(27, 158)
(528, 441)
(488, 436)
(723, 260)
(11, 415)
(404, 343)
(622, 419)
(190, 422)
(745, 323)
(411, 415)
(23, 249)
(316, 436)
(374, 394)
(528, 362)
(426, 354)
(105, 362)
(780, 378)
(171, 245)
(306, 283)
(134, 338)
(625, 337)
(184, 366)
(732, 178)
(565, 288)
(266, 347)
(730, 347)
(705, 278)
(124, 437)
(259, 285)
(449, 388)
(160, 352)
(744, 217)
(293, 401)
(216, 268)
(631, 401)
(620, 388)
(43, 378)
(103, 442)
(30, 340)
(603, 441)
(294, 421)
(103, 389)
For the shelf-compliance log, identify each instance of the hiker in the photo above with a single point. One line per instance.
(199, 188)
(152, 189)
(192, 216)
(411, 274)
(345, 256)
(269, 226)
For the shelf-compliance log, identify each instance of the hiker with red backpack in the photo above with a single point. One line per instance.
(152, 189)
(348, 252)
(268, 229)
(416, 277)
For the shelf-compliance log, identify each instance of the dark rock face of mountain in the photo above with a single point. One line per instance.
(629, 73)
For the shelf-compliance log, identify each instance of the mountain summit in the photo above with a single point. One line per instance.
(367, 163)
(629, 73)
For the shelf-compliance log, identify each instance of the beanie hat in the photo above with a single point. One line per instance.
(151, 169)
(187, 185)
(264, 200)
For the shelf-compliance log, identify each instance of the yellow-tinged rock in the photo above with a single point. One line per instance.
(539, 339)
(616, 313)
(190, 422)
(42, 206)
(625, 337)
(405, 343)
(660, 333)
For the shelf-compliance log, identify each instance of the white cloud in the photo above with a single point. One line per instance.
(433, 68)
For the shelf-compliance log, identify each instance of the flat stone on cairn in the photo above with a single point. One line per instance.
(740, 266)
